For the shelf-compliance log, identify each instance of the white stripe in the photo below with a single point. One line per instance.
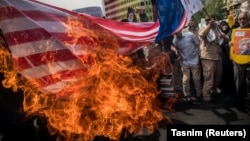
(58, 27)
(126, 32)
(52, 68)
(31, 48)
(57, 87)
(17, 24)
(24, 23)
(150, 38)
(143, 24)
(4, 4)
(27, 5)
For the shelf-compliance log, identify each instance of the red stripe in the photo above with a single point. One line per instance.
(82, 40)
(64, 75)
(136, 27)
(12, 13)
(26, 36)
(21, 64)
(46, 16)
(182, 23)
(44, 58)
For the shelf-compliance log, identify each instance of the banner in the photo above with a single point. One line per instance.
(240, 51)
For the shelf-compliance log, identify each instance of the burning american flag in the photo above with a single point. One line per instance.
(74, 69)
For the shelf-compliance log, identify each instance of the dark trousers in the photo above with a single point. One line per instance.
(241, 78)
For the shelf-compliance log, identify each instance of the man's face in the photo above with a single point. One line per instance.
(191, 22)
(224, 27)
(130, 15)
(212, 22)
(207, 21)
(243, 20)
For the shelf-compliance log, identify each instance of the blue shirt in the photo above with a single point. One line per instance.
(188, 48)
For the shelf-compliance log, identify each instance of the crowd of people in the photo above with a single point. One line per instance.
(202, 66)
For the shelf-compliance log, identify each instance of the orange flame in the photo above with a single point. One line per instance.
(115, 92)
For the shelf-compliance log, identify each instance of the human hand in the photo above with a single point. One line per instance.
(230, 44)
(139, 9)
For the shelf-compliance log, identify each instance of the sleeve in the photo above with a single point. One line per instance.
(203, 32)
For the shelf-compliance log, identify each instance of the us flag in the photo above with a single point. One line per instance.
(42, 48)
(45, 43)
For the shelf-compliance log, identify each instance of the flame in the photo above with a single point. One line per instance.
(114, 93)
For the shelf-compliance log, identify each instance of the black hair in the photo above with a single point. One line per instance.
(124, 20)
(224, 23)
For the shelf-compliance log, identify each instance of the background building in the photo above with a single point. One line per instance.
(117, 9)
(93, 11)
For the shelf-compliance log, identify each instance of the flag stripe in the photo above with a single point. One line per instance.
(133, 35)
(24, 24)
(26, 36)
(45, 58)
(38, 47)
(130, 31)
(61, 76)
(35, 72)
(53, 83)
